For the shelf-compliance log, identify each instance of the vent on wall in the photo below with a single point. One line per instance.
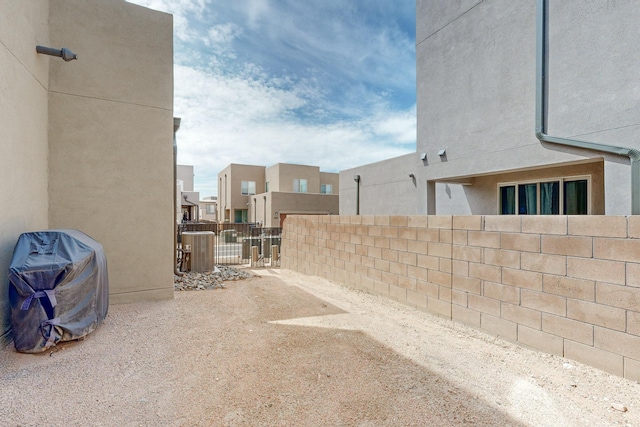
(201, 243)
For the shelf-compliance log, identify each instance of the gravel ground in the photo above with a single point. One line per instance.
(281, 349)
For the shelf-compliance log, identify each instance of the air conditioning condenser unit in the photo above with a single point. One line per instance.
(202, 249)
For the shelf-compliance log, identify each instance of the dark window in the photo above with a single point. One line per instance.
(508, 200)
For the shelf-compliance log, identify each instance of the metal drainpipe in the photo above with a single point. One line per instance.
(176, 126)
(541, 113)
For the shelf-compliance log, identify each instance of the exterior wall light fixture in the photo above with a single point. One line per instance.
(442, 152)
(63, 53)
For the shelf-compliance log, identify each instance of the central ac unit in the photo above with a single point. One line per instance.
(202, 249)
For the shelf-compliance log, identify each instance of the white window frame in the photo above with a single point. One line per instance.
(248, 193)
(297, 185)
(561, 180)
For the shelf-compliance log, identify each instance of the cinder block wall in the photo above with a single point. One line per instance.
(566, 285)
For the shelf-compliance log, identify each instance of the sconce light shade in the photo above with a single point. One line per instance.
(442, 152)
(423, 156)
(356, 178)
(411, 175)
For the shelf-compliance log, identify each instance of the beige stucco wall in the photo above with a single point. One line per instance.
(285, 173)
(88, 144)
(230, 187)
(184, 173)
(331, 178)
(267, 208)
(111, 139)
(23, 103)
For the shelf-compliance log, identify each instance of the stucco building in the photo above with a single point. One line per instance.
(523, 108)
(249, 193)
(209, 208)
(87, 144)
(187, 203)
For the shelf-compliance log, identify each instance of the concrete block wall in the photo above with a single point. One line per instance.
(565, 285)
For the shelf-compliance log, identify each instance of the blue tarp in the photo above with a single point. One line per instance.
(58, 288)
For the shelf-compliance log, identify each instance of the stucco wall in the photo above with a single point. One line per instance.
(23, 102)
(476, 99)
(566, 285)
(232, 197)
(185, 174)
(111, 139)
(476, 65)
(88, 144)
(385, 188)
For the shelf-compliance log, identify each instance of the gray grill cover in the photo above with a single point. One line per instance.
(58, 288)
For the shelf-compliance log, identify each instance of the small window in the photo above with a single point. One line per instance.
(326, 189)
(299, 185)
(528, 199)
(248, 188)
(210, 209)
(575, 197)
(550, 198)
(266, 187)
(508, 200)
(241, 215)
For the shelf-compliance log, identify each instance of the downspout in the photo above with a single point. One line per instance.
(541, 112)
(356, 178)
(176, 126)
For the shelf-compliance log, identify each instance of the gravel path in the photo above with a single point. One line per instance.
(281, 349)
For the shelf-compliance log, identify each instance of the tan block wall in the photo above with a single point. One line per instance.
(567, 285)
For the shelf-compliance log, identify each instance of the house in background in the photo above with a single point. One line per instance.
(87, 144)
(516, 114)
(209, 208)
(235, 184)
(187, 203)
(258, 194)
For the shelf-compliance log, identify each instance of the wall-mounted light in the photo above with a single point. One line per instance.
(442, 152)
(412, 176)
(63, 53)
(356, 178)
(423, 156)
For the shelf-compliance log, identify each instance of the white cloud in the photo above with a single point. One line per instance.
(237, 121)
(310, 82)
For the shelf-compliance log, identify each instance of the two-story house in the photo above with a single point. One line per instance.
(266, 195)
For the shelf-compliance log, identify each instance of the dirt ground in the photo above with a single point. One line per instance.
(289, 350)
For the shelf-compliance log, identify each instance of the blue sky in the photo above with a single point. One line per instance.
(329, 83)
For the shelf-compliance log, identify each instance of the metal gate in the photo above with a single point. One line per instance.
(233, 243)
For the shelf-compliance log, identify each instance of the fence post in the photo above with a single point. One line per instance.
(254, 256)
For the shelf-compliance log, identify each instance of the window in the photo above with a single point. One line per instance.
(241, 215)
(211, 209)
(299, 185)
(248, 188)
(543, 198)
(326, 188)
